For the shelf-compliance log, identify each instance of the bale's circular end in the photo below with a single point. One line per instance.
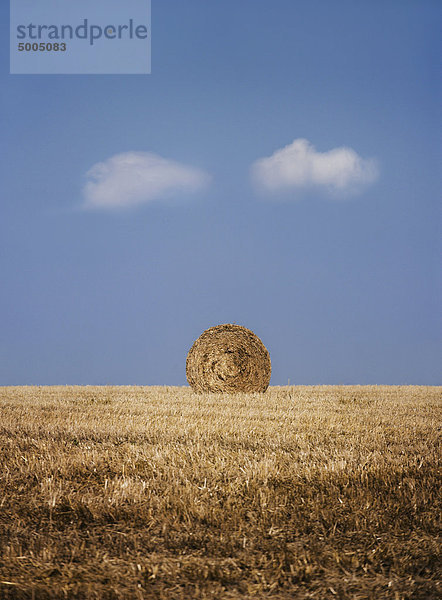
(228, 358)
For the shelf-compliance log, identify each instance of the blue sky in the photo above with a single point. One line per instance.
(331, 256)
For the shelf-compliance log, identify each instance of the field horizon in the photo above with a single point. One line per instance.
(156, 492)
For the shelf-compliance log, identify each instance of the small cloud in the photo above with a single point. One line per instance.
(134, 178)
(298, 166)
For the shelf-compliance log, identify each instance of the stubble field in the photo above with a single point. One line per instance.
(158, 493)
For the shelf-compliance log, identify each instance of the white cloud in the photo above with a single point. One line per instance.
(134, 178)
(298, 166)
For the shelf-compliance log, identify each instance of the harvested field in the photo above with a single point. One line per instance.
(160, 493)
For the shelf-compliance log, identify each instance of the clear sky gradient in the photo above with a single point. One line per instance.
(342, 289)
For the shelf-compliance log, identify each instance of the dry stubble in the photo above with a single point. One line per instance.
(149, 492)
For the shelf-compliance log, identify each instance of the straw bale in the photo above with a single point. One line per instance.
(228, 358)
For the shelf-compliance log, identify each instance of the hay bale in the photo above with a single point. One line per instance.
(228, 358)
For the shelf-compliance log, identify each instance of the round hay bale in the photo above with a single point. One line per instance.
(228, 358)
